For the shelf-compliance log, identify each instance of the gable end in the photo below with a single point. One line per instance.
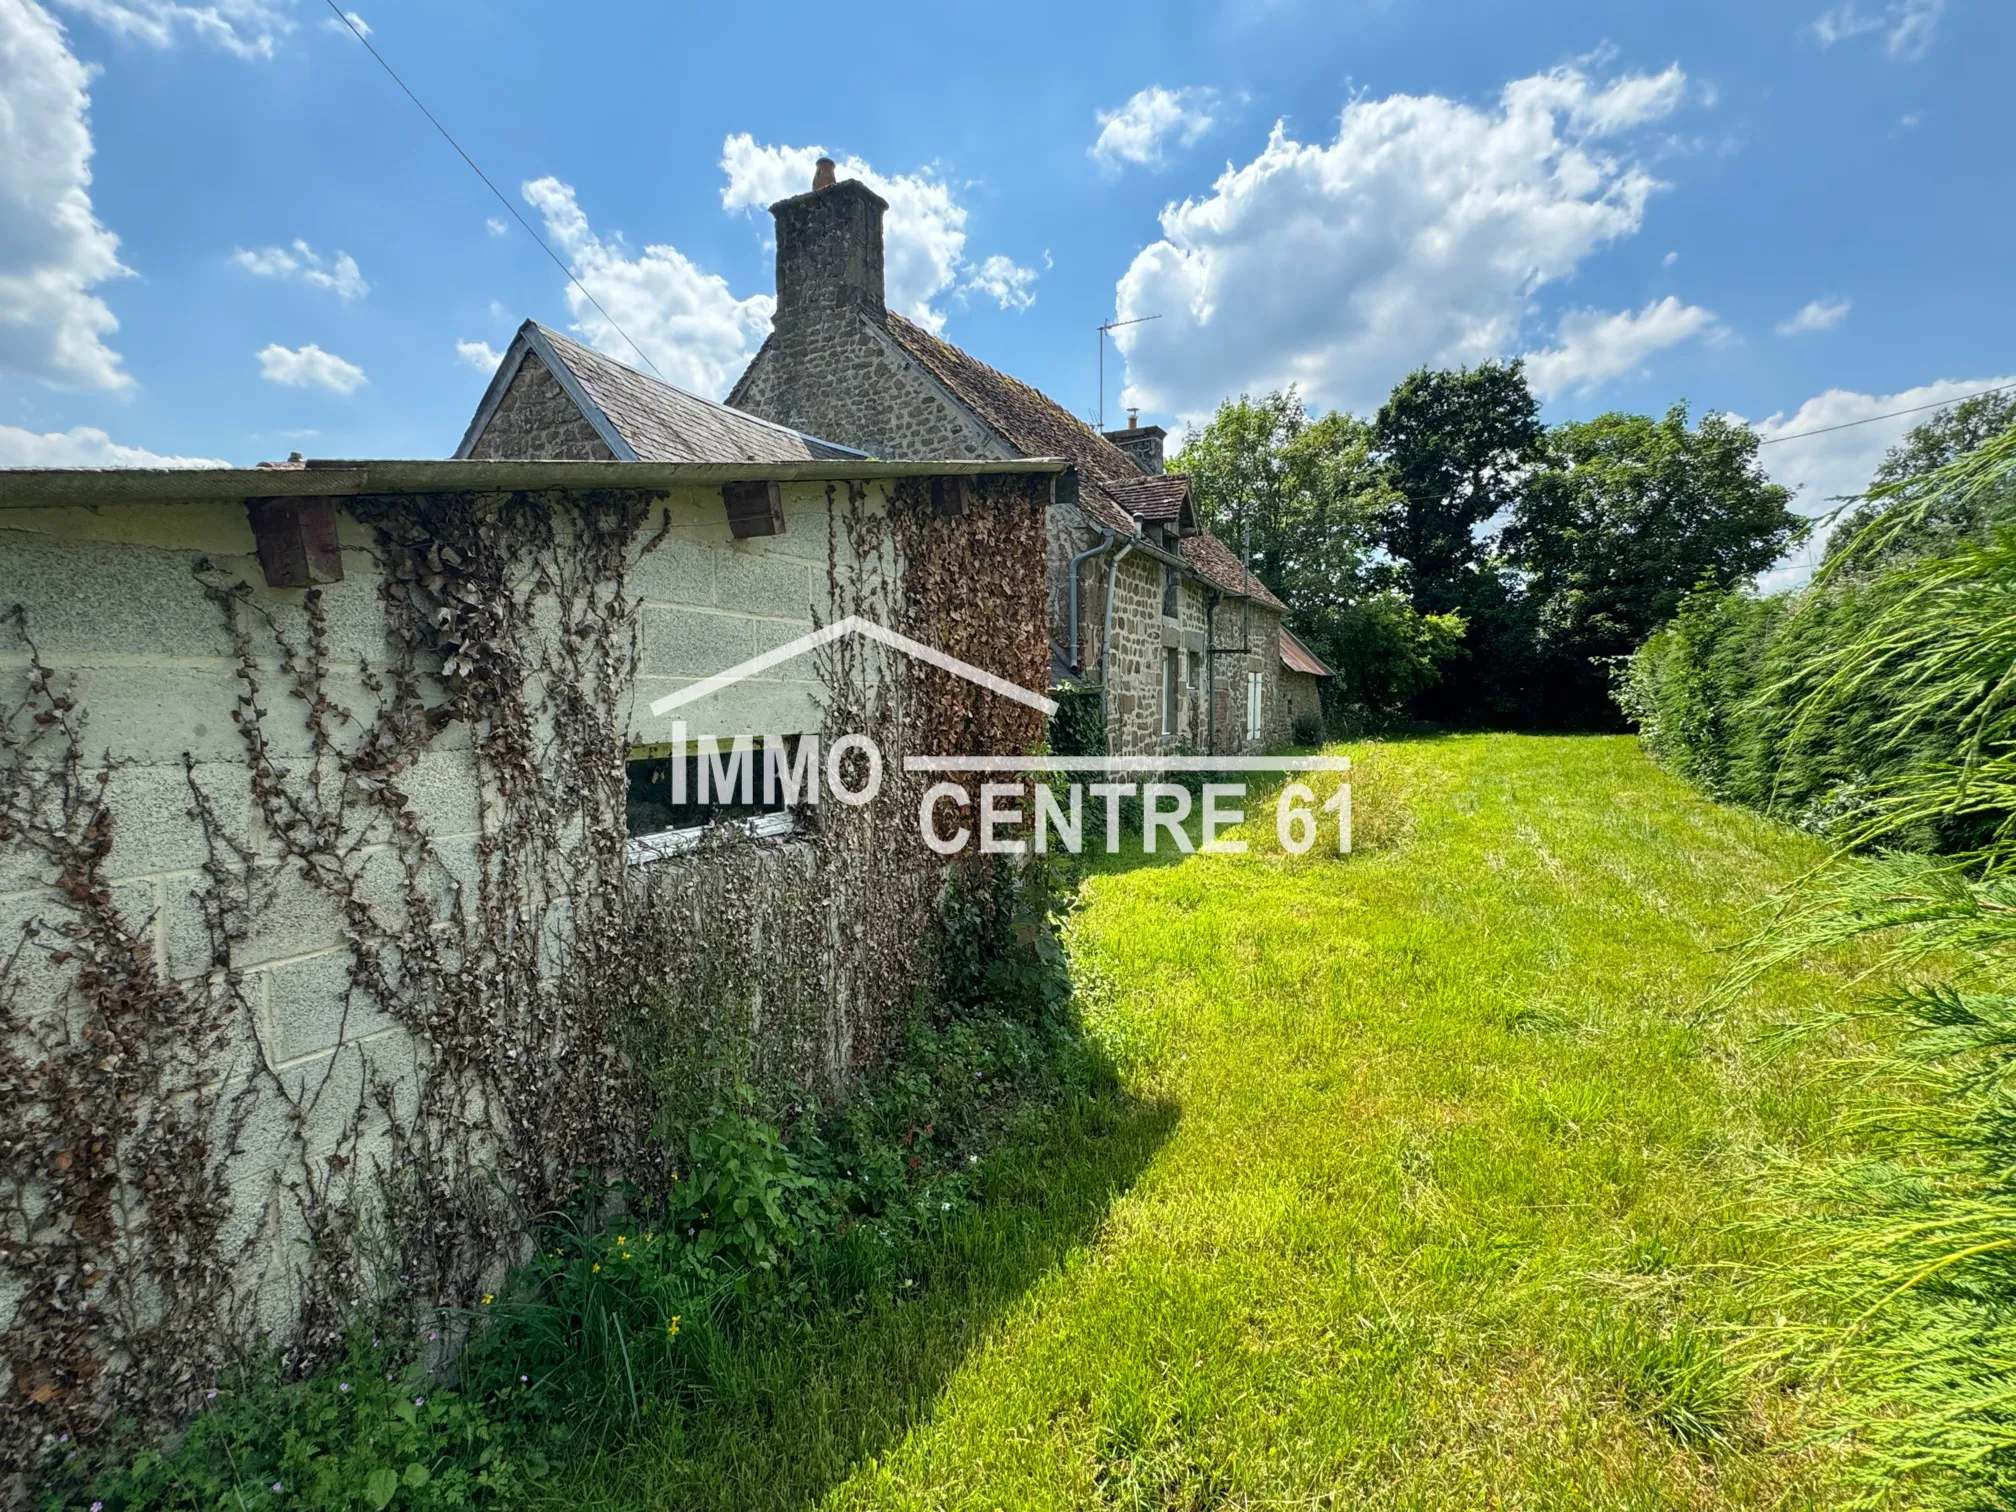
(535, 408)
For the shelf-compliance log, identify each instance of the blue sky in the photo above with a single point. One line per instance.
(227, 235)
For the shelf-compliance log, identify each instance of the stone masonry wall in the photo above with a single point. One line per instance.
(1301, 696)
(1142, 635)
(1263, 655)
(834, 374)
(535, 418)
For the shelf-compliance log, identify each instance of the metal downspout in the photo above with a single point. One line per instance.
(1104, 545)
(1211, 673)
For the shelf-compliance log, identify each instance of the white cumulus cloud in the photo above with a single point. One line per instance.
(1419, 234)
(309, 367)
(1137, 131)
(923, 235)
(1591, 348)
(249, 28)
(341, 277)
(694, 329)
(1004, 281)
(83, 446)
(479, 354)
(1908, 26)
(53, 248)
(355, 21)
(496, 226)
(1824, 468)
(1815, 315)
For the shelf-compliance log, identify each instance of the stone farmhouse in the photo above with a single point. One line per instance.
(1145, 603)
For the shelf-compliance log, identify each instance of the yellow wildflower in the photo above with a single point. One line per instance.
(488, 1298)
(673, 1326)
(596, 1266)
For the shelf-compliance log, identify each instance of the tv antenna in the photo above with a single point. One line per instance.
(1112, 325)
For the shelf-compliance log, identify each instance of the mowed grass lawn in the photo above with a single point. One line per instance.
(1428, 1189)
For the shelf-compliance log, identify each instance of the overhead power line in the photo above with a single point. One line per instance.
(393, 73)
(1892, 415)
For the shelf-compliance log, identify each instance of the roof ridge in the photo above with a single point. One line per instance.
(1108, 452)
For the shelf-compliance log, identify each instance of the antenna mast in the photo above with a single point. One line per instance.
(1112, 325)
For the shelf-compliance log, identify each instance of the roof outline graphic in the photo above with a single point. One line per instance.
(853, 624)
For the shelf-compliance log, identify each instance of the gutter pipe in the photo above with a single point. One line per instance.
(1108, 537)
(1106, 639)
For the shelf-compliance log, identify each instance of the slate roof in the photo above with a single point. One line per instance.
(643, 419)
(1037, 426)
(1297, 657)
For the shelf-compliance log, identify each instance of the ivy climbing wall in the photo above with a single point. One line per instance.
(323, 963)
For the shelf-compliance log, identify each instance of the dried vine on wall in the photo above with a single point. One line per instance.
(111, 1153)
(535, 991)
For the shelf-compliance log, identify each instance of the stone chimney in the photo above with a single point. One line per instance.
(829, 251)
(1141, 442)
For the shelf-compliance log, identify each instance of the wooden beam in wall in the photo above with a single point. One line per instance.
(754, 509)
(296, 539)
(950, 496)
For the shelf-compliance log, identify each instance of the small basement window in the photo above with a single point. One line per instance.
(666, 797)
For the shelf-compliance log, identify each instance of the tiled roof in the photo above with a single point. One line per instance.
(1032, 422)
(654, 421)
(1213, 560)
(1297, 657)
(1038, 426)
(1152, 496)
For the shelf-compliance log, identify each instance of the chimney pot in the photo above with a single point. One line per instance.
(822, 174)
(1142, 443)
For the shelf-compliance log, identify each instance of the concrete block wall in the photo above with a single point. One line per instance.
(709, 601)
(113, 598)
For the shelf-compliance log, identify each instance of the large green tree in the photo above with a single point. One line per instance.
(1933, 523)
(1311, 493)
(1307, 489)
(1623, 517)
(1455, 445)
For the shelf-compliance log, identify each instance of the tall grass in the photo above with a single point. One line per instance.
(1909, 1257)
(1869, 706)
